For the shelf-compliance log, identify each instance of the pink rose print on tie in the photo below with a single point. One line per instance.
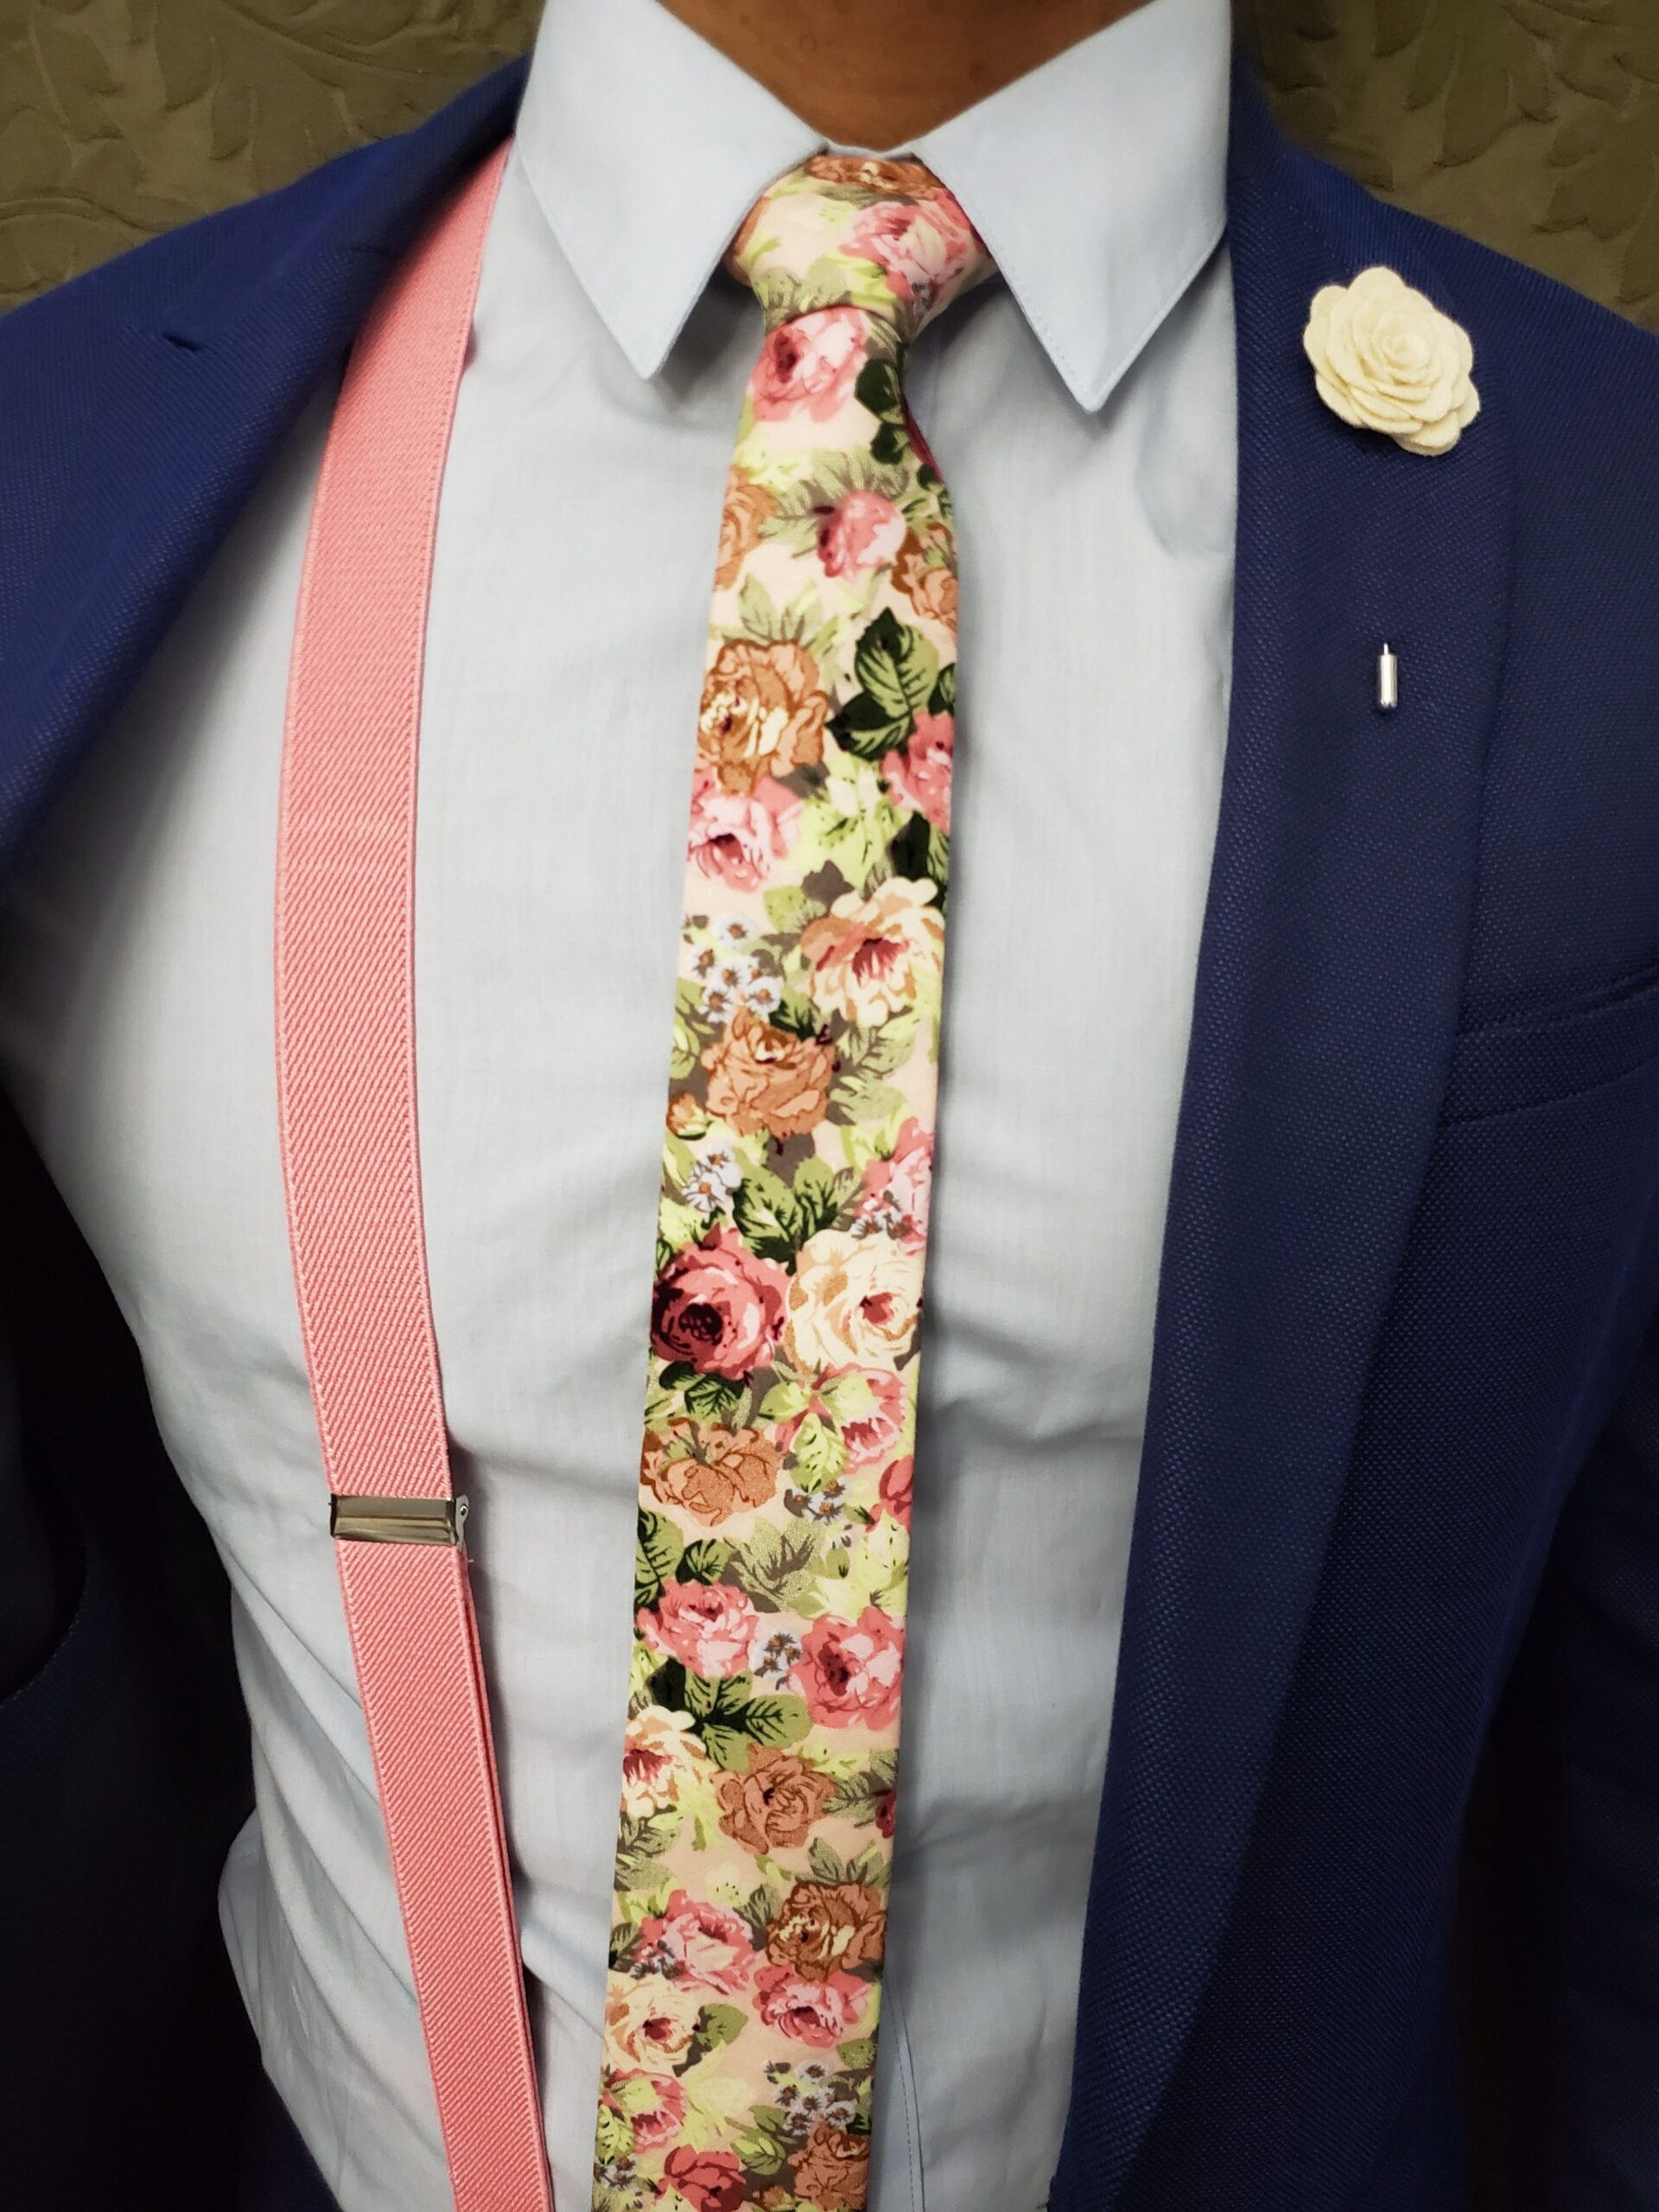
(868, 1435)
(707, 1627)
(817, 2013)
(897, 1191)
(896, 1487)
(850, 1672)
(719, 1307)
(919, 772)
(658, 2118)
(709, 2181)
(865, 532)
(922, 250)
(736, 836)
(699, 1943)
(809, 366)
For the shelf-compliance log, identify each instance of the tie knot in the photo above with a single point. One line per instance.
(848, 230)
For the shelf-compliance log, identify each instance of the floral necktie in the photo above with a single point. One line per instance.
(754, 1844)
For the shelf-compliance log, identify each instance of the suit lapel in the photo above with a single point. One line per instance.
(200, 387)
(1326, 1001)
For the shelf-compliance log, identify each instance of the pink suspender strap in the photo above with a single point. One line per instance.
(346, 1073)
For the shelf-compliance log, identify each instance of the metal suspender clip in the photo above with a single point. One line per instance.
(398, 1520)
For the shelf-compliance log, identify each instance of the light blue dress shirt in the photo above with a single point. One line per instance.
(1083, 411)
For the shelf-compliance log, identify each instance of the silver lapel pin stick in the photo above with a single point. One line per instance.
(1388, 679)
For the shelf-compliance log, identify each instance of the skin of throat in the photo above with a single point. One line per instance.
(880, 73)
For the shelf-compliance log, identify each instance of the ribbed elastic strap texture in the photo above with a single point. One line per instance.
(346, 1071)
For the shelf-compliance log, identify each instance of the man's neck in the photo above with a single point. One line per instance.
(880, 73)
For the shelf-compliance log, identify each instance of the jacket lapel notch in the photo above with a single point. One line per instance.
(1329, 981)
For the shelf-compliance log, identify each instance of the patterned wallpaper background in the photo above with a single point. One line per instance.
(1534, 124)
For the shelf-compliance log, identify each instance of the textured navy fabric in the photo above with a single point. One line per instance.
(1397, 1544)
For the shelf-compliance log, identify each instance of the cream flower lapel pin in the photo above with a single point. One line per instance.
(1386, 359)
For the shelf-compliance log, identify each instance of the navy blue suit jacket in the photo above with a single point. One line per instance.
(1395, 1569)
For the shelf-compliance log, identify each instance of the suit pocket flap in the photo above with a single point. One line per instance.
(1528, 1061)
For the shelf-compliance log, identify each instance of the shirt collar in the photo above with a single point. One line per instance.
(1098, 181)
